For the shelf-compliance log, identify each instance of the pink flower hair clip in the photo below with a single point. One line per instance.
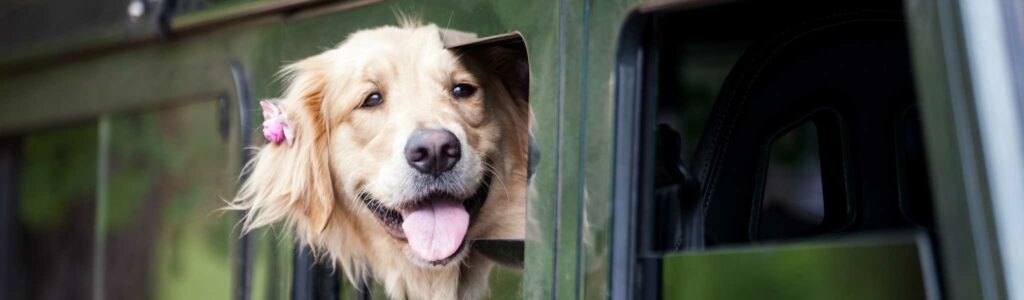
(275, 124)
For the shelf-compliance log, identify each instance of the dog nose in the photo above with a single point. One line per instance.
(433, 151)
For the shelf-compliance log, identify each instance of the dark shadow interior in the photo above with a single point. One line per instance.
(782, 121)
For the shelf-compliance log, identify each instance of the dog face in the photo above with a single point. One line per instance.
(397, 141)
(410, 136)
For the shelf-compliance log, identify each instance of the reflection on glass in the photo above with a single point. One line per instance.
(205, 9)
(165, 239)
(793, 201)
(271, 264)
(50, 244)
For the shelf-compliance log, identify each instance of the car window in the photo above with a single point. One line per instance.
(162, 234)
(50, 208)
(124, 207)
(769, 124)
(793, 201)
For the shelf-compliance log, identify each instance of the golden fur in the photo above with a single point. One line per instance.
(342, 150)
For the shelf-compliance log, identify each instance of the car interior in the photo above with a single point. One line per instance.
(774, 123)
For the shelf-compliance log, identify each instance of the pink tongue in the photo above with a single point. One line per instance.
(435, 230)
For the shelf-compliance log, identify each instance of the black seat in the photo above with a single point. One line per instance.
(849, 75)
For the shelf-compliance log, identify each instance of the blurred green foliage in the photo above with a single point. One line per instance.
(169, 170)
(58, 168)
(272, 264)
(506, 284)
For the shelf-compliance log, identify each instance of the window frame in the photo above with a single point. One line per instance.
(964, 76)
(635, 98)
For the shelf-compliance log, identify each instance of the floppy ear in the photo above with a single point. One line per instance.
(293, 182)
(506, 58)
(514, 69)
(510, 65)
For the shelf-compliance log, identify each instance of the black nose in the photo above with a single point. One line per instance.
(433, 151)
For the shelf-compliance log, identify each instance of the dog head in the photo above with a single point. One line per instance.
(397, 144)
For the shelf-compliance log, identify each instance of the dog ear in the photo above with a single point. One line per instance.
(292, 181)
(507, 58)
(513, 66)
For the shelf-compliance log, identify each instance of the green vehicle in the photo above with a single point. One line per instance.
(699, 149)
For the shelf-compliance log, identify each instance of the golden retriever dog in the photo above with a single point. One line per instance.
(391, 154)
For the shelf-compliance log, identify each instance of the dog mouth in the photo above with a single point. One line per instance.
(435, 224)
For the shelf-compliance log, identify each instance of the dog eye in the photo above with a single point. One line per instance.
(373, 99)
(463, 90)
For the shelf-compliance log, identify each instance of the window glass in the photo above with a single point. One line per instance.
(194, 6)
(164, 237)
(727, 88)
(915, 190)
(694, 70)
(126, 209)
(779, 141)
(49, 238)
(51, 26)
(272, 264)
(187, 12)
(793, 202)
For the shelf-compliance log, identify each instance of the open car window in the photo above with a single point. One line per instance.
(797, 126)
